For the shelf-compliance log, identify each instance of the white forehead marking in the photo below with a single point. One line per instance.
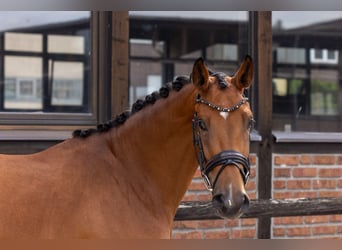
(224, 115)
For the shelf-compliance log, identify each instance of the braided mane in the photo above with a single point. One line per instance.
(177, 84)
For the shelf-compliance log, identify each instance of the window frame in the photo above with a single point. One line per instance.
(70, 117)
(325, 57)
(322, 121)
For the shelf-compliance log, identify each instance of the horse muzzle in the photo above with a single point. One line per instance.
(230, 202)
(229, 206)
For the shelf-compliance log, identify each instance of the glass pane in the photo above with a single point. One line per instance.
(324, 92)
(23, 42)
(318, 54)
(146, 48)
(66, 44)
(67, 83)
(164, 44)
(147, 79)
(307, 73)
(223, 52)
(23, 88)
(332, 54)
(291, 55)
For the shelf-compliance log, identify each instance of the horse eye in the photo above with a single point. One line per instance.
(202, 125)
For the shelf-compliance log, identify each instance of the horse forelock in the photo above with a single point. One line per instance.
(176, 85)
(221, 78)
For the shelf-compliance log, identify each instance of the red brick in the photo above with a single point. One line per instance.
(336, 218)
(282, 172)
(299, 184)
(187, 235)
(282, 195)
(317, 219)
(327, 184)
(277, 232)
(324, 159)
(305, 160)
(304, 172)
(232, 223)
(189, 197)
(251, 185)
(279, 184)
(197, 174)
(204, 197)
(248, 222)
(252, 160)
(196, 185)
(288, 220)
(244, 234)
(308, 194)
(252, 173)
(288, 160)
(339, 160)
(330, 172)
(185, 224)
(330, 193)
(276, 220)
(324, 230)
(252, 195)
(216, 235)
(211, 224)
(298, 231)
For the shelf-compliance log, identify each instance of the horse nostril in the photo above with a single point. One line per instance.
(218, 201)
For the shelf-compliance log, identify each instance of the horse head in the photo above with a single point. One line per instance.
(221, 131)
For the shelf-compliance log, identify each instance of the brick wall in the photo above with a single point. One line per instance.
(216, 229)
(294, 176)
(309, 176)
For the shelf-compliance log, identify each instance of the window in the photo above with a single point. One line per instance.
(290, 55)
(306, 71)
(223, 52)
(324, 56)
(45, 67)
(288, 96)
(164, 44)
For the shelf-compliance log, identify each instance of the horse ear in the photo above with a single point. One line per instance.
(200, 74)
(244, 75)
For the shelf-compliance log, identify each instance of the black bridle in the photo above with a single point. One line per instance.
(224, 158)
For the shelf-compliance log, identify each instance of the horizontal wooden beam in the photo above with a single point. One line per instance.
(265, 208)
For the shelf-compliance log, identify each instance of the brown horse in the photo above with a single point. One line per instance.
(126, 178)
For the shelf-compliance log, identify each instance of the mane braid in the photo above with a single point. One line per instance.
(221, 77)
(177, 84)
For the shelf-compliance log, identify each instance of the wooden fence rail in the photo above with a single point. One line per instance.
(265, 208)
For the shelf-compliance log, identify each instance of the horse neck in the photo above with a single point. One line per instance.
(157, 142)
